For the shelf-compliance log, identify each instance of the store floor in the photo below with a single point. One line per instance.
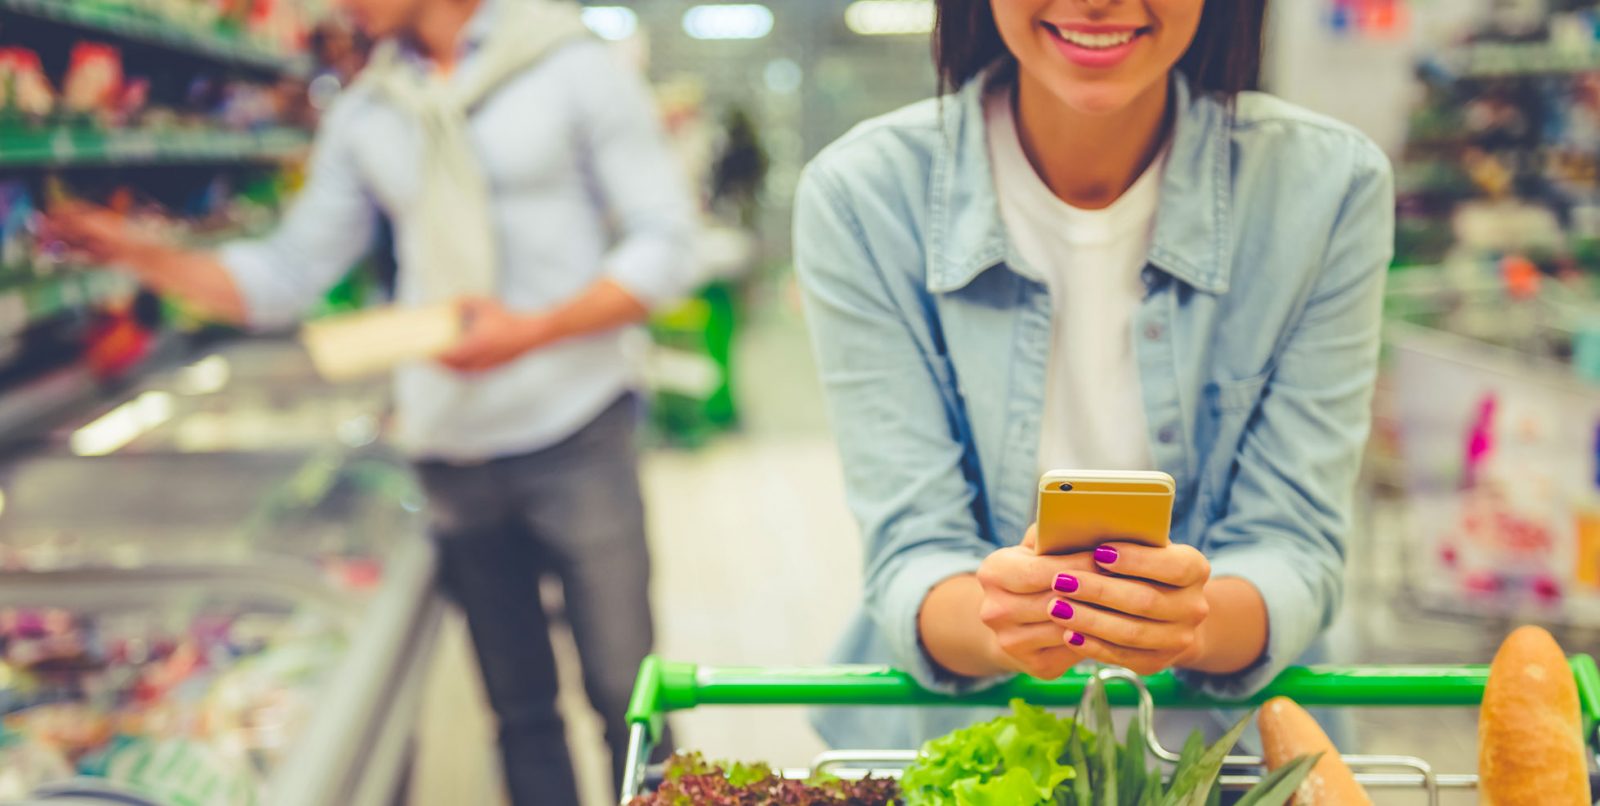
(757, 563)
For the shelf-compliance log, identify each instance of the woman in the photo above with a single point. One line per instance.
(1101, 252)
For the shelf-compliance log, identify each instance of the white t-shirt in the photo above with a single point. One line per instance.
(1091, 260)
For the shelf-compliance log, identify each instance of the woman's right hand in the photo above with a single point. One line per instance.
(1018, 591)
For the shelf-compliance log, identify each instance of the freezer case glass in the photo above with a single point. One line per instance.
(232, 619)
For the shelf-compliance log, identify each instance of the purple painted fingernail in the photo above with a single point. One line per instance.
(1105, 555)
(1066, 583)
(1061, 610)
(1076, 639)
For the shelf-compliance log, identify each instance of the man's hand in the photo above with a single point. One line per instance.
(493, 336)
(103, 236)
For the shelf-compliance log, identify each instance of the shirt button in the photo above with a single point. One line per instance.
(1153, 332)
(1167, 434)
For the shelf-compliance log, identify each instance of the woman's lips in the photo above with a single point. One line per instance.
(1097, 47)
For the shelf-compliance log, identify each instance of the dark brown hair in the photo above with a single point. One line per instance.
(1224, 58)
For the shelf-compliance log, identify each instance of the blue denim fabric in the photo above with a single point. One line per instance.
(1257, 344)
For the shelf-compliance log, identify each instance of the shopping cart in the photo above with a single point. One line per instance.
(665, 686)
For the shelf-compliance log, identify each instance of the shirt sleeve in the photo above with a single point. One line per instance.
(637, 175)
(329, 226)
(909, 475)
(1289, 506)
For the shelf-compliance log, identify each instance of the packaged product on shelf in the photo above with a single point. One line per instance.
(251, 106)
(26, 764)
(24, 88)
(18, 225)
(179, 771)
(94, 80)
(192, 704)
(74, 728)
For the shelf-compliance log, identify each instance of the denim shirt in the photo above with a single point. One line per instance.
(1257, 346)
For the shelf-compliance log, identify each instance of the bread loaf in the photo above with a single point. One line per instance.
(376, 340)
(1530, 731)
(1287, 733)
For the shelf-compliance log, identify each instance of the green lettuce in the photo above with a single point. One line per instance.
(1033, 758)
(1016, 759)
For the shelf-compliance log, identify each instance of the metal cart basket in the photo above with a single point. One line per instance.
(665, 686)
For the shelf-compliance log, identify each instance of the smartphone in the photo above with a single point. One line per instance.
(1080, 509)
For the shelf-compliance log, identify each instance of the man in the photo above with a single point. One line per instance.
(507, 147)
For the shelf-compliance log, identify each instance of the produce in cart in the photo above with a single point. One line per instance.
(1530, 729)
(1289, 732)
(1541, 722)
(690, 779)
(1034, 757)
(1027, 757)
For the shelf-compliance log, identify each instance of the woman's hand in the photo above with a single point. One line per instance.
(1137, 607)
(1017, 597)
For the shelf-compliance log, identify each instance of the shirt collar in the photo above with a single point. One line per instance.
(478, 27)
(1191, 240)
(473, 35)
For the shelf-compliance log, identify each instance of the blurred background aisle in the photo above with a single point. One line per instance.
(214, 572)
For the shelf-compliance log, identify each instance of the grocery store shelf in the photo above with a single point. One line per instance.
(32, 301)
(122, 22)
(62, 147)
(1505, 60)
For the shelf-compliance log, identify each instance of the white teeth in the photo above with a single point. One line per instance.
(1096, 41)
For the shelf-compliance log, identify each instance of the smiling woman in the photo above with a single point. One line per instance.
(1220, 51)
(1102, 251)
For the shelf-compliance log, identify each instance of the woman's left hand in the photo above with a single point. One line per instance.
(1141, 608)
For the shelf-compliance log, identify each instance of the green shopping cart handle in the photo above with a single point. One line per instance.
(666, 686)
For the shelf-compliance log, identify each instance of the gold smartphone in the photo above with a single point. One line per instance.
(1080, 509)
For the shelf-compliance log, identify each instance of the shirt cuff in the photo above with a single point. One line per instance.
(900, 607)
(1294, 619)
(655, 270)
(266, 303)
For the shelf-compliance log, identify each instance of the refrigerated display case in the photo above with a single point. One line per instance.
(216, 588)
(1488, 437)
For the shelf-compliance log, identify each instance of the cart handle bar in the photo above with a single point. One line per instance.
(665, 686)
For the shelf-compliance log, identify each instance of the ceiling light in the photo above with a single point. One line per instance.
(611, 22)
(889, 17)
(728, 21)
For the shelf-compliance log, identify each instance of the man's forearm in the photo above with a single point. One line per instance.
(604, 306)
(197, 278)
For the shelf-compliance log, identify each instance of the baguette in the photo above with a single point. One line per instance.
(1530, 732)
(1287, 733)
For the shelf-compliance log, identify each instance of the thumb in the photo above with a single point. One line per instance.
(469, 310)
(1030, 541)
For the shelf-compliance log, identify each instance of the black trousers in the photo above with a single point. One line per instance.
(572, 511)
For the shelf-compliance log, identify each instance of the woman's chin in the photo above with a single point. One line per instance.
(1097, 99)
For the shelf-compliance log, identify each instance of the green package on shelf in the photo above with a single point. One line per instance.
(87, 146)
(1586, 351)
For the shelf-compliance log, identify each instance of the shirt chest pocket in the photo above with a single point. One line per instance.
(522, 151)
(1230, 407)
